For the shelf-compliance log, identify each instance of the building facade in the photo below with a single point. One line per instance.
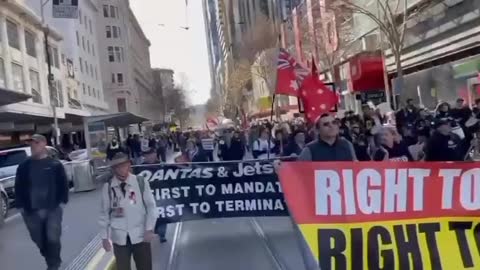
(23, 70)
(163, 82)
(125, 60)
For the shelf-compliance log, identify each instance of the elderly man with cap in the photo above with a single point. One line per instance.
(128, 216)
(41, 187)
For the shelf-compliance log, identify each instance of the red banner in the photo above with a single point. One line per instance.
(387, 215)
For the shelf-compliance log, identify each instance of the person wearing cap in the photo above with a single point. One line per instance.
(128, 216)
(443, 145)
(150, 157)
(41, 189)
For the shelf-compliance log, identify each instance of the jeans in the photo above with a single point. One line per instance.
(161, 229)
(142, 255)
(45, 228)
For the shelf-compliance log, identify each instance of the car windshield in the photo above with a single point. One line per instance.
(12, 158)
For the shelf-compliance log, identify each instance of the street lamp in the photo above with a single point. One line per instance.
(50, 77)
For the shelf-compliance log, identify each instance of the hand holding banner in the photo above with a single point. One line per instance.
(387, 215)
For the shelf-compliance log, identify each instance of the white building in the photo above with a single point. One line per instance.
(125, 60)
(23, 70)
(80, 56)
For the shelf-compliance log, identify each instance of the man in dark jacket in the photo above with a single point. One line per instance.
(443, 145)
(230, 147)
(41, 187)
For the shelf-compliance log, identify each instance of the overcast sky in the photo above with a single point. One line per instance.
(173, 47)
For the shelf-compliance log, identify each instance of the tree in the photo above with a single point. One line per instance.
(176, 105)
(391, 17)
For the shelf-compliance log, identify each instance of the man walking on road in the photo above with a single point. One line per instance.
(41, 186)
(128, 216)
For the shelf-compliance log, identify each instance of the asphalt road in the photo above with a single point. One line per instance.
(80, 227)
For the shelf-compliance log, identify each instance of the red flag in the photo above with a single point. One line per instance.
(290, 74)
(317, 98)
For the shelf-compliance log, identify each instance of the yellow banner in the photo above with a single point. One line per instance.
(264, 103)
(436, 243)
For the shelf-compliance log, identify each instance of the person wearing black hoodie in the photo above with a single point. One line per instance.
(443, 145)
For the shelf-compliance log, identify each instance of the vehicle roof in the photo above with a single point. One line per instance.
(12, 148)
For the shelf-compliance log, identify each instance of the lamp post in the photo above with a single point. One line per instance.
(50, 77)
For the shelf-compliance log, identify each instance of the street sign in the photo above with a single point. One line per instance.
(66, 9)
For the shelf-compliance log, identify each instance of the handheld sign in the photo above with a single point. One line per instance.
(391, 216)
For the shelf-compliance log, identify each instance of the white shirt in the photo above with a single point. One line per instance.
(137, 218)
(262, 145)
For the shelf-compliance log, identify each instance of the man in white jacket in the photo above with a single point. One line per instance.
(128, 216)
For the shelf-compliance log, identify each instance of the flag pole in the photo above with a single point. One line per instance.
(273, 99)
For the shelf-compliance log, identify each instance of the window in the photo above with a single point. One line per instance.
(91, 70)
(89, 91)
(94, 92)
(112, 12)
(35, 83)
(84, 89)
(86, 67)
(56, 59)
(116, 12)
(105, 11)
(12, 33)
(119, 32)
(83, 42)
(118, 55)
(96, 74)
(2, 74)
(90, 26)
(85, 19)
(113, 78)
(121, 54)
(121, 105)
(30, 44)
(111, 55)
(88, 46)
(120, 78)
(114, 31)
(80, 15)
(93, 50)
(17, 72)
(78, 39)
(109, 31)
(81, 64)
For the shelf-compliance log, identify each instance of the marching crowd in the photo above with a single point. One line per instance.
(128, 213)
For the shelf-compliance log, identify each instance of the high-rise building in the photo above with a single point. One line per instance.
(163, 82)
(125, 60)
(79, 54)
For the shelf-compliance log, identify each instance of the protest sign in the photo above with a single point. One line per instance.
(214, 190)
(391, 216)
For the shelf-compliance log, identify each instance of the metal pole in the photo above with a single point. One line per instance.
(53, 102)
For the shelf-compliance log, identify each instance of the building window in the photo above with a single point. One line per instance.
(115, 31)
(12, 33)
(35, 83)
(105, 11)
(93, 50)
(91, 70)
(109, 31)
(118, 55)
(30, 43)
(120, 78)
(56, 59)
(80, 15)
(86, 67)
(2, 74)
(89, 91)
(121, 54)
(111, 55)
(121, 105)
(88, 46)
(96, 74)
(81, 64)
(86, 25)
(113, 78)
(83, 43)
(94, 92)
(112, 12)
(116, 11)
(84, 89)
(17, 72)
(90, 26)
(78, 39)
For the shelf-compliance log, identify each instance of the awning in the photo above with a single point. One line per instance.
(10, 97)
(122, 119)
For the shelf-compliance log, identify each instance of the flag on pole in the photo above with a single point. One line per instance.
(290, 74)
(316, 97)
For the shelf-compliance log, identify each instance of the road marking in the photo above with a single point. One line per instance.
(174, 251)
(272, 253)
(111, 264)
(96, 260)
(11, 218)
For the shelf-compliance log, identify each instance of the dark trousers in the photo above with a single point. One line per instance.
(142, 255)
(209, 154)
(160, 229)
(162, 154)
(45, 228)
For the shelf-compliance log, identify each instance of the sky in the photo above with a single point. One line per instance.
(184, 51)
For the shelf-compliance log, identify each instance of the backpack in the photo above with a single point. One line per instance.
(141, 185)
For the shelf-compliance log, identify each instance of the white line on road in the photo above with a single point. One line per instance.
(11, 218)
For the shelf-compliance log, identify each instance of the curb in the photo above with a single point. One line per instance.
(111, 264)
